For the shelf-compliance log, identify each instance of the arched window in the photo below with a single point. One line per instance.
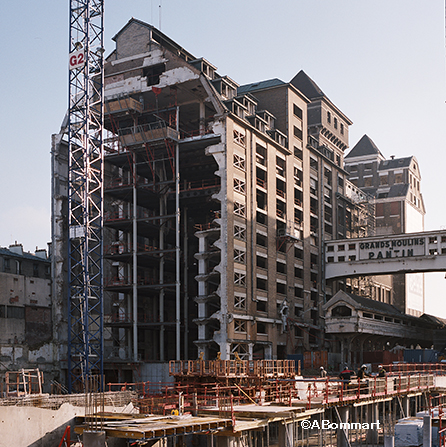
(341, 311)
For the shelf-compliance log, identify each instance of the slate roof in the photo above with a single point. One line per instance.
(365, 146)
(25, 255)
(375, 306)
(397, 190)
(307, 86)
(259, 85)
(395, 163)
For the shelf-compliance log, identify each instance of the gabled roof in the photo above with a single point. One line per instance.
(259, 85)
(307, 86)
(365, 146)
(159, 37)
(373, 305)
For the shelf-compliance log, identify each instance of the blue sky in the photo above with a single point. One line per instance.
(382, 63)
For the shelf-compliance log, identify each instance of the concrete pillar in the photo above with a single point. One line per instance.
(341, 366)
(342, 433)
(427, 431)
(361, 351)
(94, 438)
(372, 418)
(286, 435)
(406, 406)
(389, 441)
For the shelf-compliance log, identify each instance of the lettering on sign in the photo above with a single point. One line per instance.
(393, 248)
(76, 59)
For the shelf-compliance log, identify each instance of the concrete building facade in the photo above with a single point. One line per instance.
(26, 336)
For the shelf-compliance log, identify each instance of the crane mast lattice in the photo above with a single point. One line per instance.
(85, 192)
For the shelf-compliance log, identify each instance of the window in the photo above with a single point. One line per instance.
(280, 166)
(239, 162)
(239, 138)
(328, 117)
(261, 240)
(262, 262)
(368, 181)
(335, 123)
(297, 111)
(281, 288)
(313, 186)
(261, 200)
(327, 176)
(298, 253)
(298, 272)
(340, 182)
(6, 264)
(280, 267)
(341, 311)
(298, 177)
(298, 133)
(298, 153)
(342, 128)
(261, 155)
(379, 209)
(239, 232)
(239, 209)
(239, 326)
(395, 209)
(239, 256)
(261, 306)
(239, 301)
(240, 279)
(383, 180)
(313, 163)
(399, 178)
(239, 185)
(261, 283)
(261, 328)
(35, 269)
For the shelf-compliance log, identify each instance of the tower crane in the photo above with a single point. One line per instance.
(85, 192)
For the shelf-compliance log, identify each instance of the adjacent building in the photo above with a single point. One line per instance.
(395, 185)
(26, 336)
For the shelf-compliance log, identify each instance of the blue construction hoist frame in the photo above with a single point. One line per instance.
(85, 194)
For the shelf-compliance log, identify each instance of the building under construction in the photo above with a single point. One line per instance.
(217, 201)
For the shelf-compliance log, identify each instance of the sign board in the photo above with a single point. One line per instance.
(76, 59)
(392, 248)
